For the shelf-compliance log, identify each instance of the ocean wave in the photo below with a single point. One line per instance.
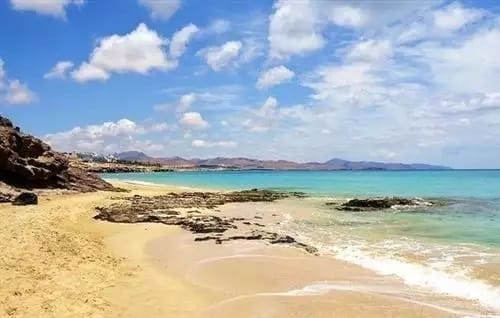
(456, 285)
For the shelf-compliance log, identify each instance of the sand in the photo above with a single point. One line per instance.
(57, 261)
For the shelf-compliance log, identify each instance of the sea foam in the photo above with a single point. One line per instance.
(456, 285)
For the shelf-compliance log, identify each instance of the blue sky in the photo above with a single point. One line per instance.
(302, 80)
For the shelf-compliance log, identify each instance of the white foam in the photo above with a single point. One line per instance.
(321, 288)
(457, 285)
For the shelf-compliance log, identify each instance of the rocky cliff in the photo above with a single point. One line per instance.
(27, 162)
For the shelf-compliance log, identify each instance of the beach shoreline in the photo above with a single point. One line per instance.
(58, 261)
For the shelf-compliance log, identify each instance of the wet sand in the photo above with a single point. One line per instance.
(57, 261)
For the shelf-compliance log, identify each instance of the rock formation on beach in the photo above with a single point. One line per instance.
(171, 209)
(371, 204)
(27, 162)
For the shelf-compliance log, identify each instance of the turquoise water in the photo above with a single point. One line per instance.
(473, 216)
(452, 183)
(453, 249)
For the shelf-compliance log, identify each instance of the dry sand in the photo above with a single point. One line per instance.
(57, 261)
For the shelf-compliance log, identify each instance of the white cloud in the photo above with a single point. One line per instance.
(89, 72)
(455, 16)
(108, 137)
(161, 9)
(300, 27)
(180, 40)
(348, 16)
(18, 93)
(294, 28)
(342, 80)
(274, 76)
(371, 50)
(59, 71)
(263, 118)
(218, 57)
(56, 8)
(471, 65)
(200, 143)
(193, 120)
(13, 91)
(139, 51)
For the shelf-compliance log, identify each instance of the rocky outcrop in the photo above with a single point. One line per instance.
(370, 204)
(165, 209)
(27, 162)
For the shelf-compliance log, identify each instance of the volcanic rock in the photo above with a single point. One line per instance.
(371, 204)
(27, 162)
(160, 209)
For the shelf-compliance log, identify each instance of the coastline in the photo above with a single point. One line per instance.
(58, 261)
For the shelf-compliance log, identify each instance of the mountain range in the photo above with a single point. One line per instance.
(247, 163)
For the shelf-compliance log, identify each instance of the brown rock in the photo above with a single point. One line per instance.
(29, 163)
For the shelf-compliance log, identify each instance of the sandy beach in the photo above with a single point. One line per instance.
(57, 261)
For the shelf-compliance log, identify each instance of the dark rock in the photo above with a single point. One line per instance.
(370, 204)
(158, 209)
(29, 163)
(26, 198)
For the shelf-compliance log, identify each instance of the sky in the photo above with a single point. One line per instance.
(302, 80)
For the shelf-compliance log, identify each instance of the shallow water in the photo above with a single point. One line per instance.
(453, 249)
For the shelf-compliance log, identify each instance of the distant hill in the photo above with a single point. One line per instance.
(132, 156)
(248, 163)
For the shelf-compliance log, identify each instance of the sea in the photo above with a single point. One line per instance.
(451, 249)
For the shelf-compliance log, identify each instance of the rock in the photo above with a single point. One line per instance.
(26, 198)
(5, 197)
(27, 162)
(371, 204)
(158, 209)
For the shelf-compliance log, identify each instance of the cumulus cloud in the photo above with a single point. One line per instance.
(13, 91)
(107, 137)
(139, 51)
(56, 8)
(294, 28)
(161, 9)
(19, 93)
(59, 71)
(200, 143)
(180, 40)
(219, 57)
(298, 27)
(193, 120)
(274, 76)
